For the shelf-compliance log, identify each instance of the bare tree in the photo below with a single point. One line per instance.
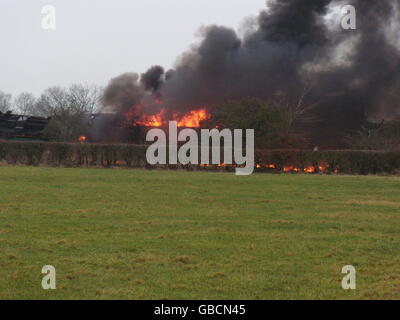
(5, 102)
(84, 98)
(52, 102)
(25, 104)
(77, 99)
(68, 109)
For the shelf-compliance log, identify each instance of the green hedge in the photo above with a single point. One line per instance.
(134, 156)
(346, 161)
(72, 155)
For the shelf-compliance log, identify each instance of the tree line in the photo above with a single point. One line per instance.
(277, 124)
(66, 107)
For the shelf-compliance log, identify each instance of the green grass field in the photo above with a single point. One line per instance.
(132, 234)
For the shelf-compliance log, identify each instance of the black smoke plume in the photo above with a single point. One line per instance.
(152, 80)
(123, 93)
(351, 75)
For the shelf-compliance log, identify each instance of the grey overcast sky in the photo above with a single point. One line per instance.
(96, 40)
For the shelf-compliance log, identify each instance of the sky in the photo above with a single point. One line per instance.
(96, 40)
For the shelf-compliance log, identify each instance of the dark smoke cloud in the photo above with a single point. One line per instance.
(294, 21)
(123, 93)
(152, 80)
(353, 73)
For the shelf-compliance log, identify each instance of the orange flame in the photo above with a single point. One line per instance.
(152, 120)
(308, 169)
(192, 119)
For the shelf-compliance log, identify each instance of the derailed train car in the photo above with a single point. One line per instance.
(20, 127)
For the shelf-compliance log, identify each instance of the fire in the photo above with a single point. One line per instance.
(152, 120)
(82, 139)
(191, 119)
(308, 169)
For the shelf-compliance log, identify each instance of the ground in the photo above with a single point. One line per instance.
(133, 234)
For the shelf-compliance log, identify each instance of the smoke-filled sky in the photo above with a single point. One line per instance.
(292, 48)
(96, 40)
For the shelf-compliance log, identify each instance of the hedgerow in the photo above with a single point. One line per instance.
(134, 156)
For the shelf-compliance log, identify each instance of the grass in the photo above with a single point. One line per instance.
(132, 234)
